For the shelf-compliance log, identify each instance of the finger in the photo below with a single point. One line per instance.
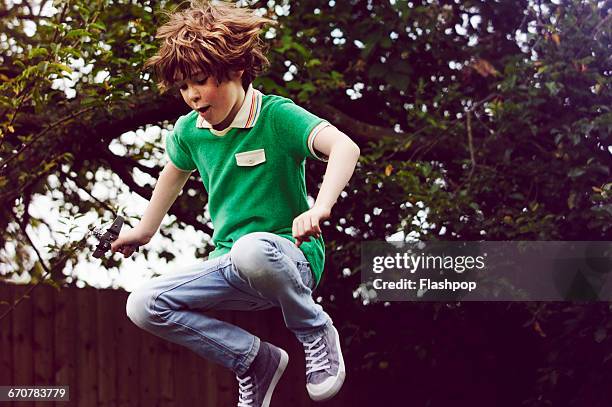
(308, 225)
(307, 229)
(314, 228)
(304, 236)
(131, 250)
(299, 227)
(117, 245)
(294, 228)
(125, 249)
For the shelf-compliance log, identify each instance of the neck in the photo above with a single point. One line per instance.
(235, 109)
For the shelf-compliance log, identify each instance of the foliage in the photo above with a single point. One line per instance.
(477, 120)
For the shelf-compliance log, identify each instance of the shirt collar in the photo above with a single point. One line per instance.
(245, 118)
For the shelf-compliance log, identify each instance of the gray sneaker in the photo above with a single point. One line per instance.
(325, 370)
(256, 386)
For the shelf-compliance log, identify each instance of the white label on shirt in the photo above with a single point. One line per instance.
(251, 158)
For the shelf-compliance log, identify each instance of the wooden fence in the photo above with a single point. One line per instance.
(82, 338)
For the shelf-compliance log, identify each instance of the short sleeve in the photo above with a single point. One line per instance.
(294, 124)
(177, 153)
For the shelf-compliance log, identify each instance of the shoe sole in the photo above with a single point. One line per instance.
(339, 378)
(279, 372)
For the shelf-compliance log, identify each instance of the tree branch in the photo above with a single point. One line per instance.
(355, 128)
(470, 143)
(42, 133)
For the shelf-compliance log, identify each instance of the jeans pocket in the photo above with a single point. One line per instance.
(306, 273)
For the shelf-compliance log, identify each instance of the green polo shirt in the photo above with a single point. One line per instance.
(254, 176)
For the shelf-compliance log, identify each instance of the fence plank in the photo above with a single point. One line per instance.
(6, 344)
(87, 390)
(107, 311)
(42, 298)
(209, 376)
(22, 316)
(148, 369)
(64, 334)
(165, 367)
(128, 357)
(197, 365)
(186, 378)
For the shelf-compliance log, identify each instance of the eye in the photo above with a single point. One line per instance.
(183, 86)
(201, 81)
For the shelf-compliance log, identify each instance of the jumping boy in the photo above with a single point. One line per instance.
(250, 151)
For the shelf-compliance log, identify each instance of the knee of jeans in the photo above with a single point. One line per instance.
(249, 253)
(138, 308)
(252, 256)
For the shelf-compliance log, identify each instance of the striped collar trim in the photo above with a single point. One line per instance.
(245, 118)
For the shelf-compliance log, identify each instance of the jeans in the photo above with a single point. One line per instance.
(262, 270)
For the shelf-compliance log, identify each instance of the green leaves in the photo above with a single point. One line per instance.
(78, 33)
(98, 26)
(37, 52)
(576, 172)
(553, 88)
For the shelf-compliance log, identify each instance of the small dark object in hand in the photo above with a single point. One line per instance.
(107, 238)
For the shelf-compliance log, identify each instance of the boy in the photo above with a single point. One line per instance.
(250, 150)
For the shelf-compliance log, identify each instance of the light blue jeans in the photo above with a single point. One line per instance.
(261, 271)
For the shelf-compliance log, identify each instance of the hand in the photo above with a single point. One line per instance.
(307, 224)
(129, 241)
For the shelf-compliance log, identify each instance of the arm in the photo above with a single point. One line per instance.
(169, 184)
(343, 154)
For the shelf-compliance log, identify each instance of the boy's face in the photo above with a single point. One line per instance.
(217, 103)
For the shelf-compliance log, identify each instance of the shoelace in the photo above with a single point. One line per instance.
(243, 398)
(313, 361)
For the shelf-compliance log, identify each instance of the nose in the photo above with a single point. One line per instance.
(193, 94)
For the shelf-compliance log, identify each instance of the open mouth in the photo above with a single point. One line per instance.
(203, 109)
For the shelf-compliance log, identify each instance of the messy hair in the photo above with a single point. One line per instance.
(213, 38)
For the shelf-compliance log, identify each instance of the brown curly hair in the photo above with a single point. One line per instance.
(211, 38)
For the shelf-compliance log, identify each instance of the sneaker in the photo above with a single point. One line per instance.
(325, 370)
(256, 386)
